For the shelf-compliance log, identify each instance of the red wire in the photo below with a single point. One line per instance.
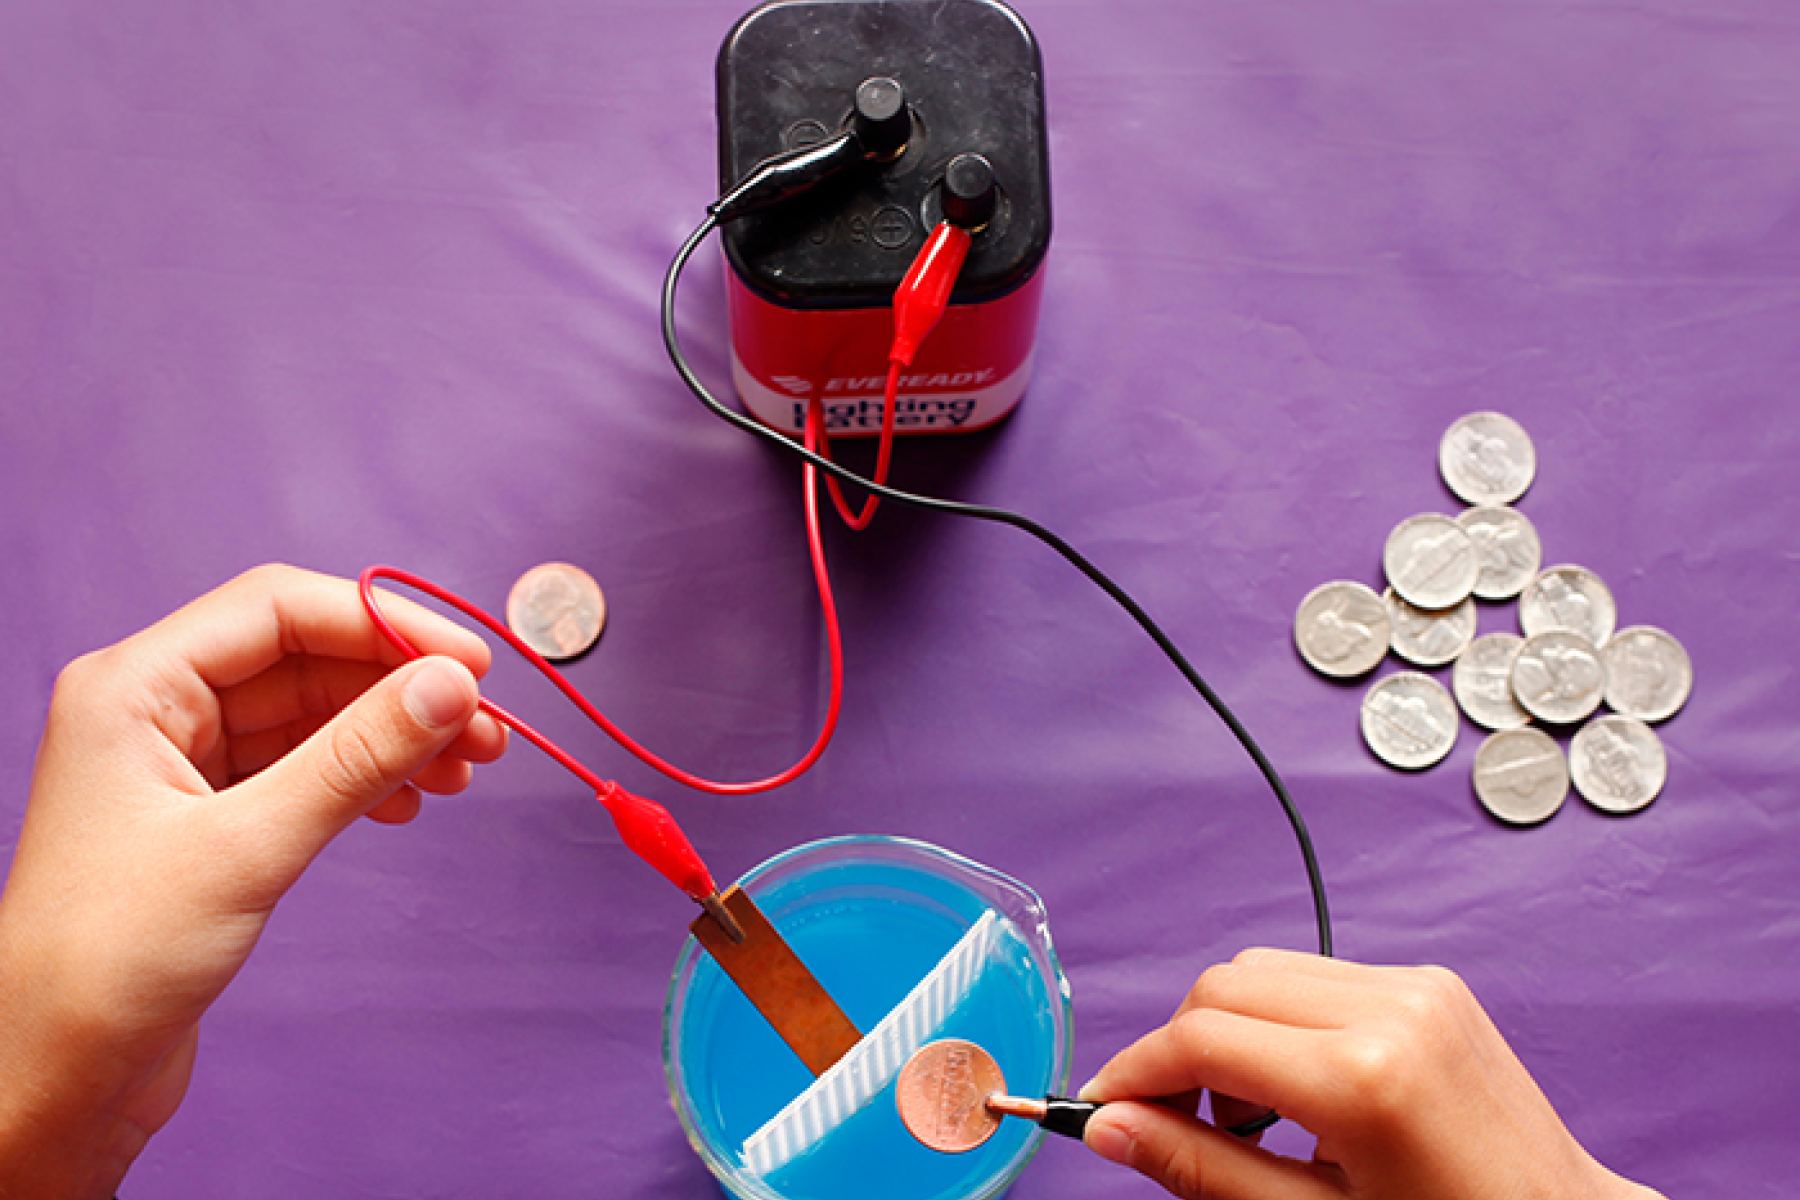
(919, 304)
(860, 521)
(827, 607)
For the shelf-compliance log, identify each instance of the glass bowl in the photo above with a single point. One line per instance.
(870, 916)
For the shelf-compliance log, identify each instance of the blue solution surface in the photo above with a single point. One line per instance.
(870, 932)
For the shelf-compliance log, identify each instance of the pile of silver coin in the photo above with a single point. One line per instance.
(1570, 660)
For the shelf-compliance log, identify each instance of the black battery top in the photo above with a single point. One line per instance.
(972, 77)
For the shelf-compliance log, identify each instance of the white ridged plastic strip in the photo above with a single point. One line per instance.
(854, 1079)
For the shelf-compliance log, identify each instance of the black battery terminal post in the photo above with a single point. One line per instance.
(877, 131)
(969, 197)
(969, 193)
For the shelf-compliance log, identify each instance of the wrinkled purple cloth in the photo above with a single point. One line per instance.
(342, 283)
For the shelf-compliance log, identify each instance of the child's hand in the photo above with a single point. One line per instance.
(187, 776)
(1409, 1088)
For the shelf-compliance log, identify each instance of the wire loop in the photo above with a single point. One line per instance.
(834, 643)
(1309, 857)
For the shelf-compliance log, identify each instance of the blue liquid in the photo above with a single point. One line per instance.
(870, 931)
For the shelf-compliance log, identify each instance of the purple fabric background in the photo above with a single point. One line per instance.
(341, 283)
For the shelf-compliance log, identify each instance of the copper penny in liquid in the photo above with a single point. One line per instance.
(942, 1095)
(557, 610)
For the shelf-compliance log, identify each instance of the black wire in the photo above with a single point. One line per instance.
(1315, 880)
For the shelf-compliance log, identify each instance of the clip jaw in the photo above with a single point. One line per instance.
(715, 908)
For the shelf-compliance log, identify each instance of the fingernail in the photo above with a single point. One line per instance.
(1108, 1140)
(437, 695)
(1087, 1090)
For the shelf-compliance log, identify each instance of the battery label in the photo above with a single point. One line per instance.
(971, 372)
(925, 403)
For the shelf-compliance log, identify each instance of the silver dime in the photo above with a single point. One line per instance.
(1342, 629)
(1429, 637)
(1409, 720)
(1430, 561)
(1558, 677)
(1482, 681)
(1648, 674)
(1486, 458)
(1618, 764)
(1521, 776)
(1506, 549)
(1571, 598)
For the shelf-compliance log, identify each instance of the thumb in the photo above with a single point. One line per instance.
(364, 754)
(1193, 1160)
(1157, 1142)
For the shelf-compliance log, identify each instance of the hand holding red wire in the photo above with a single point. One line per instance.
(646, 828)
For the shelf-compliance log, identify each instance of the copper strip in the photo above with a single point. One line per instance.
(768, 971)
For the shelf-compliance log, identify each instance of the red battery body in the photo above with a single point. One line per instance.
(809, 285)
